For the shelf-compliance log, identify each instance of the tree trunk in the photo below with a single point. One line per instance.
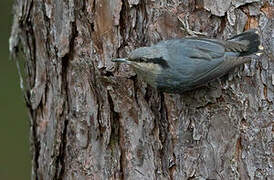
(93, 119)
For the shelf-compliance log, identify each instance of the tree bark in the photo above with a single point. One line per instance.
(93, 119)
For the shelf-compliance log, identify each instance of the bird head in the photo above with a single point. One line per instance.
(145, 59)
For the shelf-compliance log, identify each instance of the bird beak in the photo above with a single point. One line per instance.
(121, 60)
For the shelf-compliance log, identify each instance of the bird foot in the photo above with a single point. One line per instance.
(188, 30)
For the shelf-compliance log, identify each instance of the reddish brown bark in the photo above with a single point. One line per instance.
(93, 119)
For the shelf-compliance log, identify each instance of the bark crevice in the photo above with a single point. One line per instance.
(105, 123)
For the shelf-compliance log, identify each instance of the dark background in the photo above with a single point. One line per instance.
(14, 123)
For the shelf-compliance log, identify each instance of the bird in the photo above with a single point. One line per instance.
(183, 64)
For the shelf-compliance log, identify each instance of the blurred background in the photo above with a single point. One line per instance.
(15, 163)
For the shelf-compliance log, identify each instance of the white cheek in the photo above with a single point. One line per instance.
(156, 68)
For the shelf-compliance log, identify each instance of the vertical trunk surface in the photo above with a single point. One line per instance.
(93, 119)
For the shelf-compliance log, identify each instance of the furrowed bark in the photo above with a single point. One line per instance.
(93, 119)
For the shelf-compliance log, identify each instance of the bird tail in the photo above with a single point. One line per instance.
(249, 42)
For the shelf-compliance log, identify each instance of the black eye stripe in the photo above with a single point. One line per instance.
(140, 60)
(161, 61)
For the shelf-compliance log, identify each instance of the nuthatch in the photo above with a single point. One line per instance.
(180, 65)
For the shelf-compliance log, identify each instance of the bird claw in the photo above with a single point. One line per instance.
(188, 30)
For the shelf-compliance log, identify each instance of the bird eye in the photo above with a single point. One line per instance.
(140, 59)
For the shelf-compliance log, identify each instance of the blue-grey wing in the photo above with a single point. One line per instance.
(198, 49)
(196, 60)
